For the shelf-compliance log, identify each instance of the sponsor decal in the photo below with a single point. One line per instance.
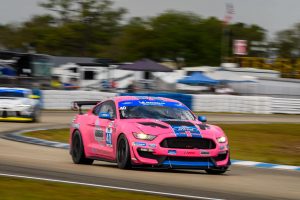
(203, 152)
(147, 97)
(186, 131)
(76, 125)
(98, 131)
(108, 139)
(172, 152)
(189, 152)
(142, 144)
(99, 135)
(150, 102)
(152, 145)
(111, 124)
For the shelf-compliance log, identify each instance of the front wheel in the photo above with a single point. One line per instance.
(123, 153)
(77, 150)
(36, 115)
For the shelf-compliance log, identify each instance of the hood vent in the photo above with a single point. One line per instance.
(203, 126)
(153, 124)
(179, 123)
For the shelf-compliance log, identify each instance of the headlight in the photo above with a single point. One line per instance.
(221, 139)
(143, 136)
(24, 106)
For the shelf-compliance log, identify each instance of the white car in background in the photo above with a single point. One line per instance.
(19, 104)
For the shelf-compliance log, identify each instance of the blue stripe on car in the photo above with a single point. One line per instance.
(181, 131)
(187, 164)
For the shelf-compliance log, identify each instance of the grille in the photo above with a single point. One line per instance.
(188, 143)
(147, 155)
(5, 114)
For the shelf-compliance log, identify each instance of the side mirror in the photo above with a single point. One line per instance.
(202, 119)
(105, 115)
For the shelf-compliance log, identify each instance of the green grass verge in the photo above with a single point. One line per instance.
(59, 135)
(24, 189)
(274, 143)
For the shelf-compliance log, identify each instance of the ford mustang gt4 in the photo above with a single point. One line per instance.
(147, 132)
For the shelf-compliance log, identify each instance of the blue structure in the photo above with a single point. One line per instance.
(198, 78)
(7, 70)
(184, 98)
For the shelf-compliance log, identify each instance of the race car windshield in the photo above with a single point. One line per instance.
(155, 112)
(11, 94)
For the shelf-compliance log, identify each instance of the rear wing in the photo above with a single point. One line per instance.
(76, 105)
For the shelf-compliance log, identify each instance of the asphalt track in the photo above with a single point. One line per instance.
(239, 183)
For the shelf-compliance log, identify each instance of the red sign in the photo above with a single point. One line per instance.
(240, 47)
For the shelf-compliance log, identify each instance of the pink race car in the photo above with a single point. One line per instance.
(147, 131)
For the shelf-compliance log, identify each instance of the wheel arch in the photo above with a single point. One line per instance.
(82, 139)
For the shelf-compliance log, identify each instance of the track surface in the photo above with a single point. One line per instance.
(239, 183)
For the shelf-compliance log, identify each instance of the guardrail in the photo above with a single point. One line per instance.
(232, 103)
(286, 105)
(61, 99)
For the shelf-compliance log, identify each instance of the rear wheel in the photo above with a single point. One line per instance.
(216, 171)
(123, 153)
(77, 151)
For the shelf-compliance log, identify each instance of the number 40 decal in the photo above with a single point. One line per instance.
(108, 136)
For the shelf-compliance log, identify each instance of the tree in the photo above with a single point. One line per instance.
(85, 27)
(171, 35)
(288, 41)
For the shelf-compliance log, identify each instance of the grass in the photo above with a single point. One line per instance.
(59, 135)
(274, 143)
(23, 189)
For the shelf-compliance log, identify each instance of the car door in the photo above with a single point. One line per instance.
(95, 133)
(104, 129)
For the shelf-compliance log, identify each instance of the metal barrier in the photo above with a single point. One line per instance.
(232, 103)
(61, 99)
(286, 105)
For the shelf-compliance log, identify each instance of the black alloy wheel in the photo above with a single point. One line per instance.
(123, 153)
(77, 150)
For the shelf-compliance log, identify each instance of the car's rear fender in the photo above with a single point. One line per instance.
(84, 140)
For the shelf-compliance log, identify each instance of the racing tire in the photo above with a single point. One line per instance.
(123, 153)
(216, 171)
(36, 115)
(77, 151)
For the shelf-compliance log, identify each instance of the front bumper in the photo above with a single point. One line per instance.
(15, 115)
(147, 153)
(14, 119)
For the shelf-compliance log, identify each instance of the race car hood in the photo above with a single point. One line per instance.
(176, 128)
(12, 102)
